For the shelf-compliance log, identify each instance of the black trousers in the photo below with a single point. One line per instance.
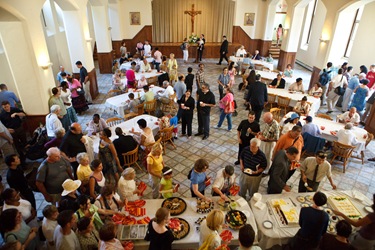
(221, 92)
(257, 110)
(187, 120)
(313, 184)
(204, 124)
(241, 147)
(199, 56)
(223, 56)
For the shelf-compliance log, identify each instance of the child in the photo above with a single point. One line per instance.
(49, 224)
(173, 121)
(246, 237)
(189, 79)
(166, 184)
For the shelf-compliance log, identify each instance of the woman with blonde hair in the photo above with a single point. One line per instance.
(210, 229)
(172, 68)
(158, 234)
(155, 165)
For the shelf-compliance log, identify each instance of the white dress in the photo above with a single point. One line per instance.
(126, 188)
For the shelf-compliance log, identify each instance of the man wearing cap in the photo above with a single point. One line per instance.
(313, 170)
(292, 138)
(51, 174)
(311, 127)
(350, 116)
(297, 86)
(346, 136)
(253, 161)
(302, 107)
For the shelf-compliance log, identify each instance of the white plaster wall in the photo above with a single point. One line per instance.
(363, 51)
(126, 6)
(309, 53)
(5, 72)
(101, 26)
(245, 6)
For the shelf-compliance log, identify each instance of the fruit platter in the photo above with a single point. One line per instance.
(234, 190)
(235, 219)
(175, 205)
(180, 228)
(226, 235)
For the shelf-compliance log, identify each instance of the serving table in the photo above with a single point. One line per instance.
(191, 241)
(281, 235)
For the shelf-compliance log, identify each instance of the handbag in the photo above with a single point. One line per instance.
(340, 90)
(229, 108)
(80, 91)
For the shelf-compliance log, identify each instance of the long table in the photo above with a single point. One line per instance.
(191, 241)
(127, 65)
(240, 60)
(126, 126)
(280, 235)
(335, 126)
(296, 97)
(272, 75)
(118, 102)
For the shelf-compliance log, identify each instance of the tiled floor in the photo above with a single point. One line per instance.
(221, 147)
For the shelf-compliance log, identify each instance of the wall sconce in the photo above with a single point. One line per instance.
(46, 66)
(322, 40)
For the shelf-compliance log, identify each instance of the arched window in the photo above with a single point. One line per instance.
(310, 13)
(353, 31)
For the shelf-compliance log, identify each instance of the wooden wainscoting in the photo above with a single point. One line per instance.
(33, 121)
(94, 89)
(314, 76)
(285, 59)
(105, 62)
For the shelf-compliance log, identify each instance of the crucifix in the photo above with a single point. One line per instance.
(192, 13)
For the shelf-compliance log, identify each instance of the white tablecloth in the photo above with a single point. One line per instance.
(297, 97)
(281, 235)
(335, 126)
(127, 65)
(128, 125)
(192, 239)
(264, 63)
(118, 102)
(272, 75)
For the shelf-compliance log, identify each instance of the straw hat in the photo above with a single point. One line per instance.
(69, 186)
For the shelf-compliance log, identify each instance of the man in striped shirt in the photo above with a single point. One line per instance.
(253, 161)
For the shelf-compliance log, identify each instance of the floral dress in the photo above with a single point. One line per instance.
(359, 98)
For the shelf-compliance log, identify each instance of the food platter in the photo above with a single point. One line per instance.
(180, 228)
(235, 219)
(175, 205)
(301, 199)
(344, 205)
(204, 206)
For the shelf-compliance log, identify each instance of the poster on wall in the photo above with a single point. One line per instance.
(249, 19)
(135, 18)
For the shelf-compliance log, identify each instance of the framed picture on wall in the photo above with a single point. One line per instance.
(249, 19)
(135, 18)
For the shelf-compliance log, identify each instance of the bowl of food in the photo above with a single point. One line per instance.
(235, 219)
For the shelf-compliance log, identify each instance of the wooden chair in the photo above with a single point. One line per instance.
(114, 92)
(361, 155)
(283, 103)
(140, 111)
(131, 158)
(276, 114)
(324, 116)
(342, 150)
(150, 107)
(258, 66)
(170, 106)
(113, 121)
(152, 81)
(244, 67)
(272, 100)
(266, 69)
(166, 136)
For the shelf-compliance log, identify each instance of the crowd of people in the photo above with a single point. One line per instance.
(85, 190)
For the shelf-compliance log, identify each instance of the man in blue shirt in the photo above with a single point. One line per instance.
(59, 78)
(310, 127)
(353, 83)
(9, 96)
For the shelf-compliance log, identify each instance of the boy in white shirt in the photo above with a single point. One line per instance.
(49, 224)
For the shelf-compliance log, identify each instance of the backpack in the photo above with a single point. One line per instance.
(182, 46)
(36, 149)
(189, 174)
(325, 78)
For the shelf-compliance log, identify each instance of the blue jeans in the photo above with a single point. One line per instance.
(222, 117)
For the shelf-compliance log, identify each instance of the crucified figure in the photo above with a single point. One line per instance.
(192, 13)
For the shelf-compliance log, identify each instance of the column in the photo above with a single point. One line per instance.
(103, 37)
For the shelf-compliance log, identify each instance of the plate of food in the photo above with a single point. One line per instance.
(180, 228)
(204, 206)
(226, 235)
(331, 228)
(328, 211)
(175, 205)
(305, 205)
(369, 209)
(334, 218)
(235, 219)
(309, 198)
(301, 199)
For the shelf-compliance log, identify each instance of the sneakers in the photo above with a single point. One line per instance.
(217, 127)
(229, 130)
